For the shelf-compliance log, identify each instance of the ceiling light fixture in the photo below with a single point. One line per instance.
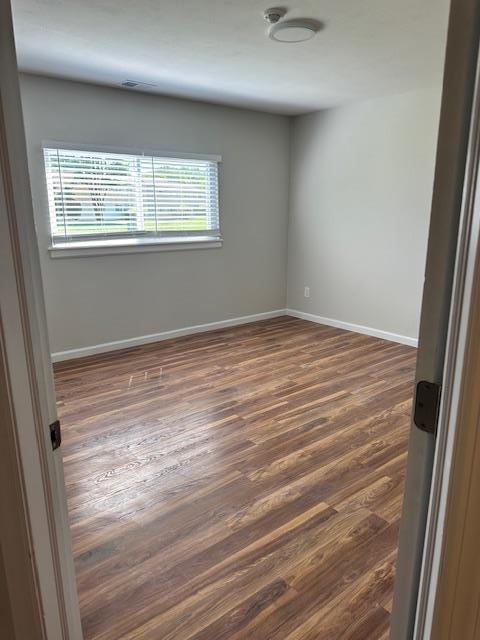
(294, 30)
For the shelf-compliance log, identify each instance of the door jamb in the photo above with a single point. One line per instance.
(466, 280)
(27, 394)
(438, 302)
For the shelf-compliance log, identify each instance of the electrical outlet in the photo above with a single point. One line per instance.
(306, 292)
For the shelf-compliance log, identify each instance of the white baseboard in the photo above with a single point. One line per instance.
(71, 354)
(358, 328)
(104, 347)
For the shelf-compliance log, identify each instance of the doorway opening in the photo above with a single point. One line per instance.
(233, 290)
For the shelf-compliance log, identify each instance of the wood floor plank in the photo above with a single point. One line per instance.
(344, 617)
(241, 483)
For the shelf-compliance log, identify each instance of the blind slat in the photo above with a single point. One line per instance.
(95, 194)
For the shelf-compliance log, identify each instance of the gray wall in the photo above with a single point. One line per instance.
(360, 182)
(360, 192)
(102, 299)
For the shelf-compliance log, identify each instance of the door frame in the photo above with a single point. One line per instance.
(41, 539)
(40, 531)
(454, 405)
(455, 602)
(443, 308)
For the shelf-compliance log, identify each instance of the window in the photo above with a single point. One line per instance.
(102, 199)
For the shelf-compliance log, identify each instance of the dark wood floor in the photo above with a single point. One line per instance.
(239, 484)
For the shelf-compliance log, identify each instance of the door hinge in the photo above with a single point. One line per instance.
(427, 405)
(55, 434)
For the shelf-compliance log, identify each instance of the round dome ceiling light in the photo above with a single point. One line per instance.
(295, 30)
(292, 31)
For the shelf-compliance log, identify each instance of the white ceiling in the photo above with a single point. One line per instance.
(217, 50)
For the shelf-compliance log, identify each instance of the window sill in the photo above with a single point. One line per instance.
(132, 245)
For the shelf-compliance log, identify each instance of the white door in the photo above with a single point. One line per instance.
(441, 315)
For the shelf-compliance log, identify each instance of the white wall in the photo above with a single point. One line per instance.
(360, 192)
(102, 299)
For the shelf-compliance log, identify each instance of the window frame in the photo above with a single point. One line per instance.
(116, 243)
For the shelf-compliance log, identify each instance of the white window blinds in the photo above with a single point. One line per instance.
(94, 195)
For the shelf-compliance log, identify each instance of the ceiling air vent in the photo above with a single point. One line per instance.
(131, 84)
